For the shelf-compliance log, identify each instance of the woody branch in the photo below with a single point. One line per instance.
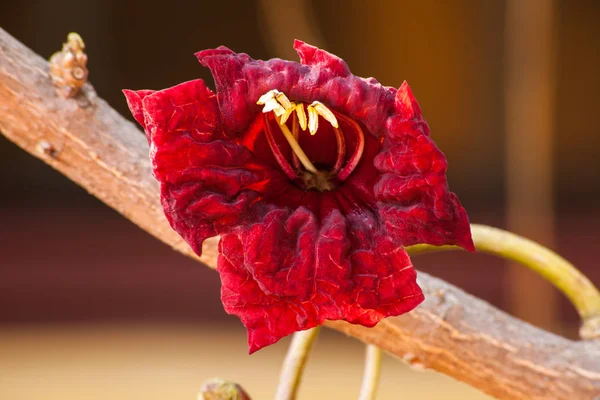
(451, 332)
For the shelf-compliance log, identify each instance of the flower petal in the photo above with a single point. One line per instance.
(190, 109)
(406, 104)
(323, 77)
(207, 183)
(279, 252)
(311, 55)
(288, 274)
(384, 280)
(416, 204)
(134, 101)
(267, 318)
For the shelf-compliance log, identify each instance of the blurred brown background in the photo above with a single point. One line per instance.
(510, 89)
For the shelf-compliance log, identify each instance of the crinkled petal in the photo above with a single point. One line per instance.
(134, 101)
(188, 109)
(287, 274)
(267, 318)
(279, 252)
(323, 77)
(207, 183)
(315, 57)
(415, 202)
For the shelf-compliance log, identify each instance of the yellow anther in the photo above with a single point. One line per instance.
(286, 115)
(313, 120)
(273, 105)
(262, 100)
(324, 112)
(284, 101)
(277, 102)
(301, 115)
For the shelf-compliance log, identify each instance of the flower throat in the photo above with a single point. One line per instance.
(302, 169)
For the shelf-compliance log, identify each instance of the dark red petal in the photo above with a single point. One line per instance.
(188, 109)
(134, 101)
(315, 57)
(384, 280)
(207, 183)
(240, 81)
(286, 274)
(418, 224)
(237, 108)
(406, 104)
(415, 202)
(279, 252)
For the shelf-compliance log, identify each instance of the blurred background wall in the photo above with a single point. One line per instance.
(510, 89)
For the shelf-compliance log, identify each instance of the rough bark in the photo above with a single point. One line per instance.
(452, 332)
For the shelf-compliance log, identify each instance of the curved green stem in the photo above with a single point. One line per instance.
(562, 274)
(293, 365)
(368, 389)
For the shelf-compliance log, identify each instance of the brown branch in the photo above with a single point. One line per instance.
(452, 332)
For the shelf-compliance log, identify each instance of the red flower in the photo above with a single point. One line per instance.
(311, 226)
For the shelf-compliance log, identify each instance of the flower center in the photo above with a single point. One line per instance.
(302, 167)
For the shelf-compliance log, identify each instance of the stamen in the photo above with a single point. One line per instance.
(284, 101)
(313, 120)
(357, 155)
(279, 157)
(308, 165)
(286, 115)
(283, 109)
(266, 97)
(295, 161)
(301, 115)
(341, 151)
(274, 101)
(324, 112)
(273, 105)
